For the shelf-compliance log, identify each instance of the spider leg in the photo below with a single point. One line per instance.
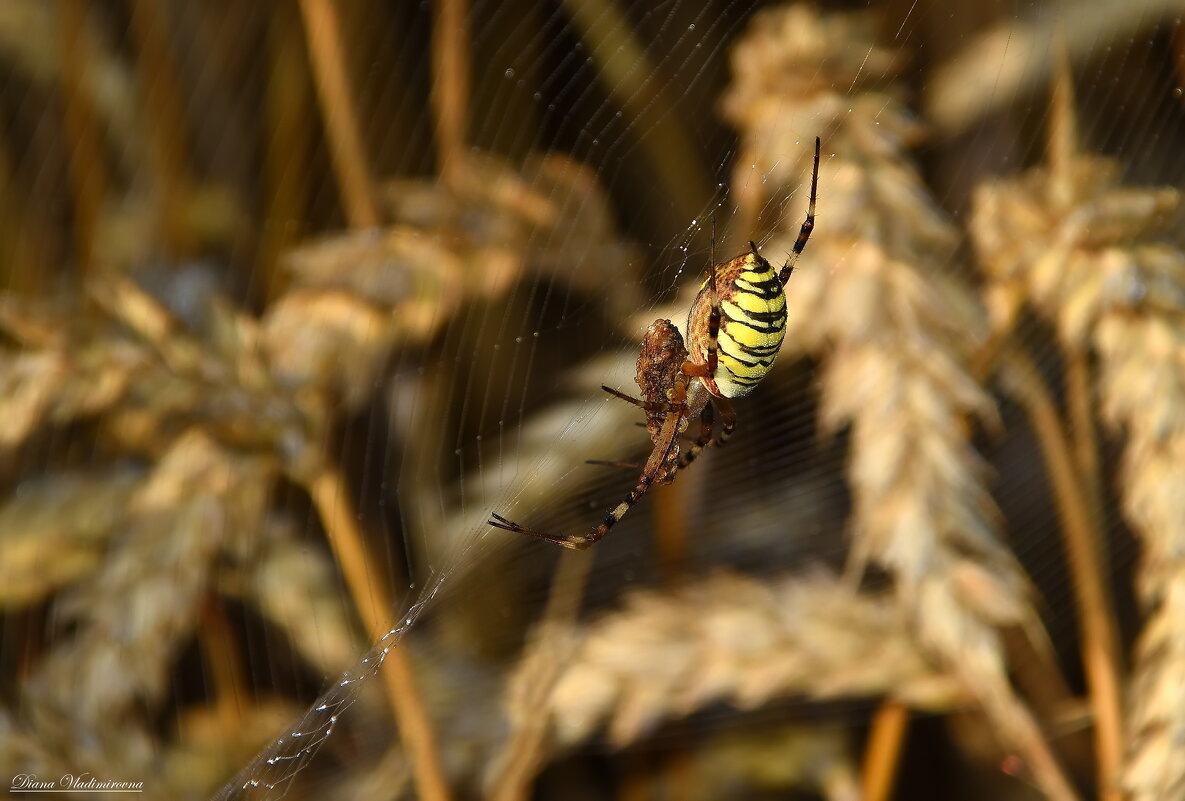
(621, 395)
(707, 370)
(808, 224)
(714, 317)
(728, 422)
(698, 444)
(605, 463)
(653, 469)
(707, 425)
(650, 406)
(706, 421)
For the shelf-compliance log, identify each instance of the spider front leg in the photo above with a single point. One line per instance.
(665, 406)
(579, 542)
(582, 541)
(656, 467)
(703, 437)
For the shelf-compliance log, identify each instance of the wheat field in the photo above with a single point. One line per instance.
(293, 296)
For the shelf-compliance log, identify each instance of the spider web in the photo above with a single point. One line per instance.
(299, 351)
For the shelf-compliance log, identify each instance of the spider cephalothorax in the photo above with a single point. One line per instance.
(662, 381)
(734, 330)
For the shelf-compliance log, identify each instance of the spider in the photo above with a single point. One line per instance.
(734, 330)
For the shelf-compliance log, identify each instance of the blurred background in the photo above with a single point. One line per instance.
(296, 294)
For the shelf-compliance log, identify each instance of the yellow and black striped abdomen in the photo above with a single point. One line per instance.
(752, 324)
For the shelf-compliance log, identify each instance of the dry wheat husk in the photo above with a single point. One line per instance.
(722, 638)
(895, 332)
(354, 296)
(1071, 242)
(132, 614)
(200, 403)
(56, 531)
